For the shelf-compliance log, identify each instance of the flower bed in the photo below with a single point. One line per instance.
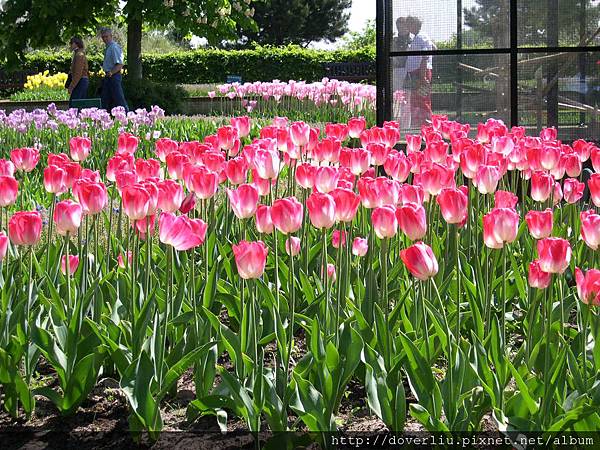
(276, 263)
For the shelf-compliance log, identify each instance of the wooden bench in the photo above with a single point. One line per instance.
(353, 72)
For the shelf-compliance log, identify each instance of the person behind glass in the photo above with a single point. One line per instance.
(112, 88)
(401, 101)
(79, 73)
(419, 71)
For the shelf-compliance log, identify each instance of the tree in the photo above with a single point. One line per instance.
(301, 22)
(356, 40)
(28, 24)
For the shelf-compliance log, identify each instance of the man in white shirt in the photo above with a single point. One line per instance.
(419, 69)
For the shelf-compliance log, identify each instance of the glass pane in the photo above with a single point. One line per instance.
(562, 90)
(484, 24)
(468, 88)
(570, 23)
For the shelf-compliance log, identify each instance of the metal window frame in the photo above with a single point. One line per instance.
(384, 33)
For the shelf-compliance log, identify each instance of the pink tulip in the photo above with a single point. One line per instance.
(9, 189)
(25, 228)
(287, 214)
(541, 186)
(326, 179)
(502, 226)
(264, 224)
(328, 150)
(436, 178)
(360, 246)
(594, 186)
(321, 210)
(202, 181)
(127, 143)
(572, 164)
(358, 160)
(420, 261)
(413, 143)
(176, 163)
(7, 168)
(505, 199)
(73, 264)
(379, 153)
(67, 217)
(25, 159)
(346, 204)
(147, 168)
(144, 225)
(338, 238)
(170, 195)
(243, 200)
(117, 164)
(3, 245)
(236, 170)
(305, 175)
(411, 194)
(300, 133)
(384, 221)
(588, 286)
(80, 148)
(537, 278)
(397, 166)
(453, 205)
(331, 274)
(266, 163)
(412, 220)
(124, 263)
(487, 178)
(554, 254)
(250, 258)
(540, 223)
(292, 245)
(226, 137)
(93, 197)
(163, 147)
(181, 232)
(590, 229)
(242, 125)
(573, 190)
(355, 126)
(136, 201)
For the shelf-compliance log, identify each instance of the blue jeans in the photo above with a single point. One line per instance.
(80, 91)
(112, 93)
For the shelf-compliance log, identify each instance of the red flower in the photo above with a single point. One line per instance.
(25, 228)
(420, 261)
(250, 258)
(181, 232)
(554, 254)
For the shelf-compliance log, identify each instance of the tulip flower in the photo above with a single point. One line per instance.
(413, 143)
(9, 188)
(500, 226)
(250, 259)
(420, 261)
(326, 179)
(176, 163)
(331, 274)
(590, 229)
(189, 202)
(292, 245)
(67, 217)
(346, 204)
(487, 178)
(73, 264)
(3, 245)
(588, 286)
(540, 223)
(397, 166)
(554, 254)
(321, 210)
(300, 133)
(25, 228)
(384, 221)
(412, 220)
(147, 168)
(573, 190)
(505, 199)
(170, 195)
(537, 278)
(541, 186)
(355, 126)
(266, 163)
(243, 200)
(80, 148)
(360, 246)
(181, 232)
(163, 147)
(264, 224)
(236, 170)
(242, 125)
(572, 164)
(453, 205)
(127, 143)
(122, 262)
(202, 182)
(25, 159)
(338, 238)
(226, 137)
(7, 168)
(594, 186)
(287, 214)
(93, 197)
(136, 201)
(305, 175)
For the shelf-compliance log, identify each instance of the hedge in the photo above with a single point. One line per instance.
(213, 66)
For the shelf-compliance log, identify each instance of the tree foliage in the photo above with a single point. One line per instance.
(26, 24)
(355, 40)
(301, 22)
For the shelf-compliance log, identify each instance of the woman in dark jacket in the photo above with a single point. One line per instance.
(79, 73)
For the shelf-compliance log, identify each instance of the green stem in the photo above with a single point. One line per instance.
(292, 317)
(458, 288)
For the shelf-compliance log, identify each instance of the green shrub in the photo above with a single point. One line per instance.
(213, 65)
